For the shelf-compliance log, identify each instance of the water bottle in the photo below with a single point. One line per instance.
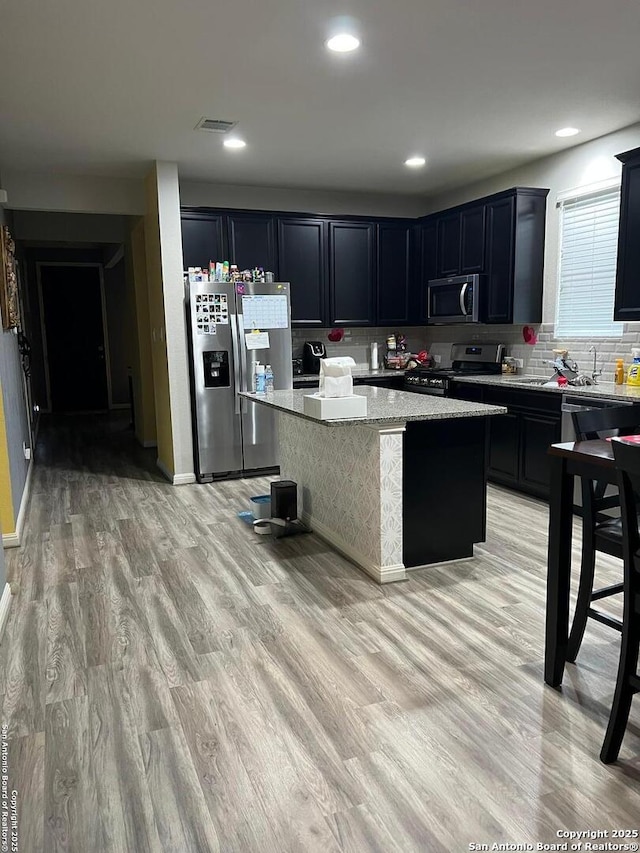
(268, 379)
(259, 378)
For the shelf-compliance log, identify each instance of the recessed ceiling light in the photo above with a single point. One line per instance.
(415, 162)
(234, 142)
(343, 43)
(567, 131)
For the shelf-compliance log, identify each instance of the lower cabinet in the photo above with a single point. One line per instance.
(519, 440)
(537, 433)
(504, 448)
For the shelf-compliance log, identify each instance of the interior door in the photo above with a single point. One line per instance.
(74, 335)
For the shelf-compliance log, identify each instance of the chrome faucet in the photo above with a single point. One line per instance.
(596, 372)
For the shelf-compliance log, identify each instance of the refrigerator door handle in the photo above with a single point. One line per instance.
(235, 345)
(243, 357)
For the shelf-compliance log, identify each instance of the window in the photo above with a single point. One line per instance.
(587, 269)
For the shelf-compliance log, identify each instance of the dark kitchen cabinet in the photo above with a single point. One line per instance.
(515, 228)
(504, 448)
(472, 240)
(498, 282)
(520, 439)
(537, 433)
(627, 300)
(394, 273)
(252, 241)
(202, 240)
(426, 268)
(352, 275)
(449, 244)
(302, 261)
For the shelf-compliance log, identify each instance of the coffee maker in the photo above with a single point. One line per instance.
(312, 352)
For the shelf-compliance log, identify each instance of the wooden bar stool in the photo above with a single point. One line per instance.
(600, 532)
(627, 458)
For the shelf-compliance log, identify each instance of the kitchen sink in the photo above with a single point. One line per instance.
(523, 380)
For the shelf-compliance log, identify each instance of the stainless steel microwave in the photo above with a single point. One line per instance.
(454, 300)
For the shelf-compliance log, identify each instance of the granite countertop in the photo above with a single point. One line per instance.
(357, 373)
(605, 390)
(383, 406)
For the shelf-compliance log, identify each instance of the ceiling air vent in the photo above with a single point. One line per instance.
(215, 125)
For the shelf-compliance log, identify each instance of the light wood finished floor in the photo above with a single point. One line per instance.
(173, 682)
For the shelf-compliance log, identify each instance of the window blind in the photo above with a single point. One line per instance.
(587, 274)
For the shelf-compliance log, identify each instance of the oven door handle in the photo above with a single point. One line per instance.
(463, 294)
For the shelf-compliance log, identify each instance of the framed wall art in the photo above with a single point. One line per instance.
(9, 301)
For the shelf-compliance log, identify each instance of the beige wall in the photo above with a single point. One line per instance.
(201, 194)
(163, 243)
(153, 253)
(73, 193)
(143, 389)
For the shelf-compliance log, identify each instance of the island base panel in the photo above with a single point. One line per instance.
(444, 490)
(349, 489)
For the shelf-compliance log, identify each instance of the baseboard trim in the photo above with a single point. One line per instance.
(380, 574)
(175, 479)
(5, 604)
(13, 540)
(120, 406)
(183, 479)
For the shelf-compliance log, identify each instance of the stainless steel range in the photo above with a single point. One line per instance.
(467, 360)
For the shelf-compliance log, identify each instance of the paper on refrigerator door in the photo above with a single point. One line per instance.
(265, 312)
(257, 340)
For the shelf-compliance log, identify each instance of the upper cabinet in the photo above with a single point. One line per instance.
(515, 256)
(365, 272)
(395, 247)
(202, 239)
(302, 261)
(500, 237)
(426, 268)
(352, 275)
(472, 239)
(460, 246)
(252, 241)
(498, 298)
(627, 301)
(448, 229)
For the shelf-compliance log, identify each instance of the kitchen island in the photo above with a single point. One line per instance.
(401, 488)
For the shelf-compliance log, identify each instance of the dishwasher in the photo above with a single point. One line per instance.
(583, 404)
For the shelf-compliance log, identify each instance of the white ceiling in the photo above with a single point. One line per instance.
(477, 86)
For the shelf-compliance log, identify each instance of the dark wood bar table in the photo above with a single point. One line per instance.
(593, 459)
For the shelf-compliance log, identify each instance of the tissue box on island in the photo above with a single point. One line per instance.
(335, 399)
(335, 408)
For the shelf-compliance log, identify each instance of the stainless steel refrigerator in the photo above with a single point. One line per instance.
(231, 327)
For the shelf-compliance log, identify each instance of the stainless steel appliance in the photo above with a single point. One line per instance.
(568, 433)
(454, 300)
(233, 326)
(467, 360)
(312, 352)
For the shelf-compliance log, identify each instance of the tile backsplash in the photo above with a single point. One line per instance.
(438, 340)
(357, 342)
(536, 357)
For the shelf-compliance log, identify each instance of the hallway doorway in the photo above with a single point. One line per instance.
(73, 332)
